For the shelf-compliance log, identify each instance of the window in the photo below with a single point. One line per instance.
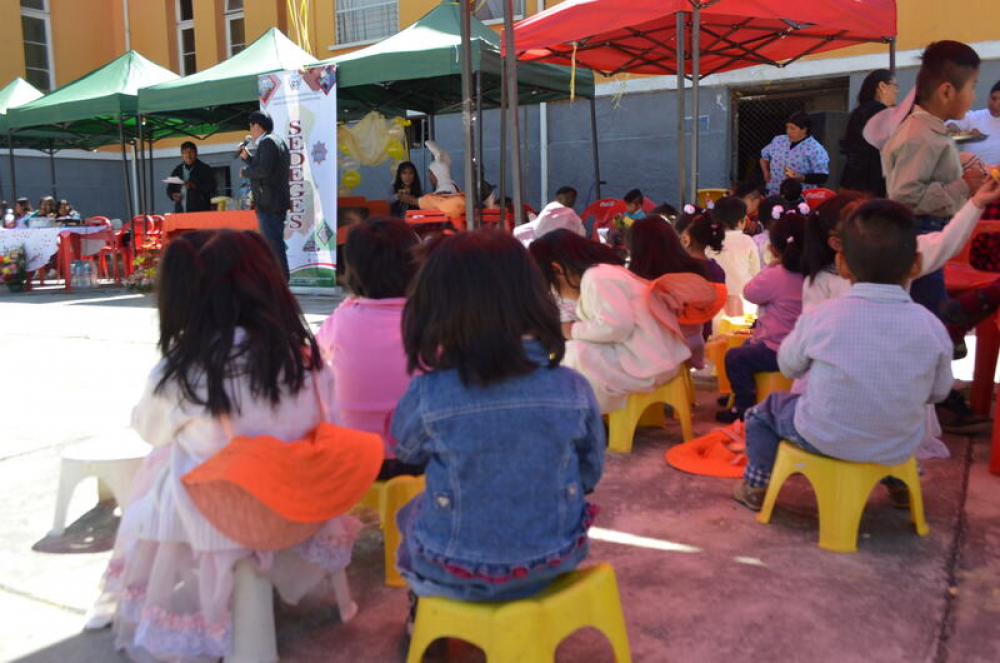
(185, 37)
(37, 44)
(235, 32)
(366, 20)
(492, 10)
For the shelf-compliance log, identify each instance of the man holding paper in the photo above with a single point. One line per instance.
(191, 185)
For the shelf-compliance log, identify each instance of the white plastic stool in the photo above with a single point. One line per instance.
(254, 639)
(114, 460)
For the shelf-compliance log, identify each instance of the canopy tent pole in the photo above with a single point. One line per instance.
(128, 179)
(52, 171)
(480, 165)
(681, 161)
(892, 55)
(140, 152)
(695, 79)
(151, 202)
(595, 147)
(503, 135)
(470, 187)
(13, 172)
(510, 77)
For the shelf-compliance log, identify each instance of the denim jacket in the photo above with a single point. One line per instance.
(507, 468)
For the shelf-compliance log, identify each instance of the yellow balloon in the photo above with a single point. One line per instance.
(351, 178)
(395, 150)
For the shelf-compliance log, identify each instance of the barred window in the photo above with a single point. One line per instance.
(366, 20)
(185, 37)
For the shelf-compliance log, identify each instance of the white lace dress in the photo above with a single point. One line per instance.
(170, 580)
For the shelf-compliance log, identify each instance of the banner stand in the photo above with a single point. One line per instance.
(303, 105)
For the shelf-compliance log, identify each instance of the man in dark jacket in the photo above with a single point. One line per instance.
(195, 194)
(267, 169)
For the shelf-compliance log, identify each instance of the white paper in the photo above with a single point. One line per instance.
(173, 180)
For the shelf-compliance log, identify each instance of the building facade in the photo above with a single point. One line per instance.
(53, 42)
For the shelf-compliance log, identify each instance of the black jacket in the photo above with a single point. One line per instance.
(863, 170)
(199, 198)
(267, 169)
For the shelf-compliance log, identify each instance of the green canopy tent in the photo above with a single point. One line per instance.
(16, 93)
(99, 108)
(420, 69)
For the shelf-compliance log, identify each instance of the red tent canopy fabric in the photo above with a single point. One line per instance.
(639, 36)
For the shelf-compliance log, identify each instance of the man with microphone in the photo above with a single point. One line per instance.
(194, 193)
(266, 156)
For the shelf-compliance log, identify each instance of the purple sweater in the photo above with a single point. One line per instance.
(779, 294)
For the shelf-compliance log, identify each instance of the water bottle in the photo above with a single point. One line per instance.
(75, 275)
(8, 218)
(90, 275)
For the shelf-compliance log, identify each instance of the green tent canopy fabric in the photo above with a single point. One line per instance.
(419, 69)
(229, 82)
(16, 93)
(98, 98)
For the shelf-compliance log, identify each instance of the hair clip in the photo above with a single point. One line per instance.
(690, 209)
(804, 208)
(790, 240)
(711, 204)
(777, 211)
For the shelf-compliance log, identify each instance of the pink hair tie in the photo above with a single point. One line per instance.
(777, 211)
(804, 208)
(690, 209)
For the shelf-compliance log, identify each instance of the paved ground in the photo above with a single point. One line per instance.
(701, 580)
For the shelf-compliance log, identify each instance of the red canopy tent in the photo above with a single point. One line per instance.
(706, 36)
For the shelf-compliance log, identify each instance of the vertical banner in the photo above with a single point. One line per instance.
(303, 105)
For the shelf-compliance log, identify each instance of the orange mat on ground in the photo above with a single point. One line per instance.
(711, 455)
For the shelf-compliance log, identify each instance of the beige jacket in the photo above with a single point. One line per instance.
(922, 167)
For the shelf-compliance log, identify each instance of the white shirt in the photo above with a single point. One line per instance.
(875, 358)
(739, 258)
(989, 149)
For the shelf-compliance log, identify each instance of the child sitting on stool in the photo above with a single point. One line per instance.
(874, 359)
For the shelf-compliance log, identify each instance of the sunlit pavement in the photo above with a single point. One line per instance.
(700, 579)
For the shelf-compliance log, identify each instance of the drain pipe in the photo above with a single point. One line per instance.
(128, 26)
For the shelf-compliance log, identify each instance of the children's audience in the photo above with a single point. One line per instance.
(749, 193)
(922, 165)
(362, 340)
(739, 257)
(791, 192)
(823, 281)
(700, 232)
(778, 291)
(238, 360)
(504, 512)
(766, 217)
(873, 356)
(633, 206)
(617, 343)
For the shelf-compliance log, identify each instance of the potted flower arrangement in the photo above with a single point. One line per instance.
(146, 265)
(14, 269)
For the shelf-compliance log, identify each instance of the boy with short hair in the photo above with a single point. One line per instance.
(923, 170)
(566, 196)
(740, 257)
(874, 359)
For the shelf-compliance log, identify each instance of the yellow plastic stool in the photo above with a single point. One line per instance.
(676, 394)
(842, 490)
(768, 383)
(528, 630)
(706, 195)
(715, 352)
(388, 497)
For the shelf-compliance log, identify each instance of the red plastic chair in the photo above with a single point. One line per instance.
(491, 218)
(818, 196)
(603, 212)
(427, 221)
(110, 251)
(959, 276)
(142, 226)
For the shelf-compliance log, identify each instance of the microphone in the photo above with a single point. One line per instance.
(246, 141)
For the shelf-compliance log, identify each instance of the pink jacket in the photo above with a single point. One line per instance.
(363, 342)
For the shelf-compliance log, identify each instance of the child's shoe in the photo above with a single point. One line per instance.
(750, 497)
(730, 415)
(957, 417)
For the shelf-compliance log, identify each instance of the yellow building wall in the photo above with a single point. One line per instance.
(12, 62)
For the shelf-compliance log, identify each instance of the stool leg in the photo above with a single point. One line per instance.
(995, 447)
(398, 492)
(70, 474)
(783, 469)
(254, 640)
(342, 591)
(621, 429)
(912, 479)
(840, 501)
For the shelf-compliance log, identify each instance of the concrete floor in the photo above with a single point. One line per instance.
(700, 579)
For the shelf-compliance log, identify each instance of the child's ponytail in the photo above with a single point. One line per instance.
(706, 232)
(787, 237)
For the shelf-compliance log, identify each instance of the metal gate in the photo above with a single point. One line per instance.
(760, 115)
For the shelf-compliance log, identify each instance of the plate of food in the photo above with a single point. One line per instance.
(973, 136)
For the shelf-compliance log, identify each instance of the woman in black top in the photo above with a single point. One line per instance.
(863, 170)
(406, 189)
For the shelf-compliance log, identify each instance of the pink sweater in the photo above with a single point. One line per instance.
(363, 342)
(779, 293)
